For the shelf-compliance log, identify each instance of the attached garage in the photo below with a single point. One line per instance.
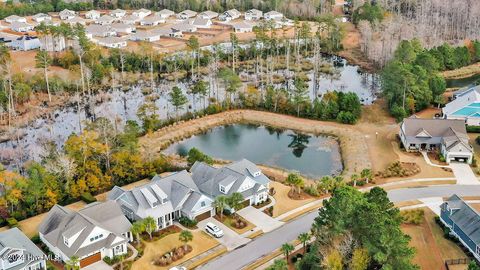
(90, 260)
(203, 216)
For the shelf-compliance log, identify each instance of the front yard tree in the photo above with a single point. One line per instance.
(295, 181)
(150, 226)
(177, 98)
(43, 60)
(287, 249)
(304, 238)
(185, 237)
(138, 227)
(235, 201)
(220, 203)
(72, 264)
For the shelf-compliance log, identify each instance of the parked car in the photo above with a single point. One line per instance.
(214, 230)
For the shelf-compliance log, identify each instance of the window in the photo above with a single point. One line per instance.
(222, 189)
(202, 204)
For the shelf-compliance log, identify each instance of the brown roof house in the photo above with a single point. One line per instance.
(447, 136)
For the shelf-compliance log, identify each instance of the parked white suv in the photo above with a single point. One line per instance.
(214, 230)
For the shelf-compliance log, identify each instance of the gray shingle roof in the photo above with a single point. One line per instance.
(433, 131)
(61, 222)
(465, 217)
(177, 186)
(209, 178)
(14, 239)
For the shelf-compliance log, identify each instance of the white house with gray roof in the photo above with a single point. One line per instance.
(465, 106)
(165, 199)
(165, 13)
(96, 231)
(208, 14)
(15, 18)
(182, 194)
(449, 137)
(186, 14)
(66, 14)
(241, 176)
(17, 252)
(229, 15)
(253, 15)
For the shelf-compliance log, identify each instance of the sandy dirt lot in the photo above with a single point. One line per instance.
(432, 248)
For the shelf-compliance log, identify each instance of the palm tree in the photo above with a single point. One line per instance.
(185, 237)
(304, 238)
(354, 178)
(366, 174)
(44, 60)
(286, 249)
(295, 181)
(72, 264)
(137, 228)
(235, 201)
(150, 225)
(220, 203)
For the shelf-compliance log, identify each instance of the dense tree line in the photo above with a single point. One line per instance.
(90, 163)
(411, 80)
(356, 230)
(30, 8)
(433, 22)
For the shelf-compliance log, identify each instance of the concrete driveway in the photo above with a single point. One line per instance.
(464, 174)
(231, 240)
(101, 265)
(263, 221)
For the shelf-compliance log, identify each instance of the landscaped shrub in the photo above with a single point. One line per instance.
(441, 158)
(12, 222)
(88, 197)
(399, 169)
(189, 223)
(311, 190)
(111, 261)
(36, 239)
(413, 216)
(473, 129)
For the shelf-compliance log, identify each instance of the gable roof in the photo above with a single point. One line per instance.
(209, 178)
(61, 222)
(434, 127)
(464, 216)
(13, 239)
(167, 194)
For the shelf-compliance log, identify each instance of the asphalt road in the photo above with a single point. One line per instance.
(268, 242)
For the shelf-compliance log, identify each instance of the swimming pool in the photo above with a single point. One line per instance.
(472, 110)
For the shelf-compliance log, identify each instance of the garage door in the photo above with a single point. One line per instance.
(90, 259)
(203, 216)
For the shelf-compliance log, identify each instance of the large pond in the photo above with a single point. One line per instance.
(120, 106)
(313, 156)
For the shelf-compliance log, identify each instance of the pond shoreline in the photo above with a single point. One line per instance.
(352, 144)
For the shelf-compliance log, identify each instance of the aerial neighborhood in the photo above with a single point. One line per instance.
(116, 28)
(212, 135)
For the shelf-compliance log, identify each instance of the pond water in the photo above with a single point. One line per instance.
(463, 82)
(120, 106)
(313, 156)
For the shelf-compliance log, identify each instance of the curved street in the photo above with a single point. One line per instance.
(268, 242)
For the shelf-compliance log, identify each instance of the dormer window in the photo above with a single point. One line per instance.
(65, 241)
(202, 204)
(222, 189)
